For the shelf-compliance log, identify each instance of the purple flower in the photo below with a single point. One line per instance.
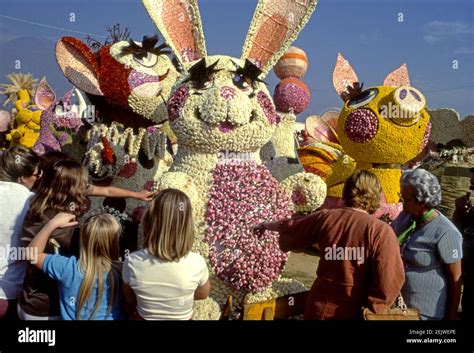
(177, 101)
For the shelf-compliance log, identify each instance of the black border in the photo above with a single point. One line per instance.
(238, 336)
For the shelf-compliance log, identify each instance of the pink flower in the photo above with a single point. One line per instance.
(244, 194)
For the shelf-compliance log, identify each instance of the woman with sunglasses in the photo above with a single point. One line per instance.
(18, 173)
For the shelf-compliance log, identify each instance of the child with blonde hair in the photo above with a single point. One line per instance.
(89, 285)
(64, 187)
(162, 280)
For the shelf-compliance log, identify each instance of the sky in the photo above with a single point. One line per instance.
(434, 38)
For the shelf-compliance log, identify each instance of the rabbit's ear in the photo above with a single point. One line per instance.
(275, 25)
(179, 22)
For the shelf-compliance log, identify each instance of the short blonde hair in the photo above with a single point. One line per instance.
(362, 190)
(168, 225)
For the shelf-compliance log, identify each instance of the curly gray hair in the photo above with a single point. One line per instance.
(426, 186)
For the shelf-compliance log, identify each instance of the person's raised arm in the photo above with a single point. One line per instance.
(112, 191)
(36, 247)
(294, 233)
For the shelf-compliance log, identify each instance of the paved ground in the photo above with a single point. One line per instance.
(302, 266)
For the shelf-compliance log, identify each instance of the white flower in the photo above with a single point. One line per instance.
(307, 191)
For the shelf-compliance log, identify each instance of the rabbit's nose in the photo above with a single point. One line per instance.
(228, 93)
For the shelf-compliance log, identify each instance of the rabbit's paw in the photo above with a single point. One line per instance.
(206, 309)
(180, 181)
(306, 191)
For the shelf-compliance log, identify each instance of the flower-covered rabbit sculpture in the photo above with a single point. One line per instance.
(128, 84)
(381, 127)
(222, 115)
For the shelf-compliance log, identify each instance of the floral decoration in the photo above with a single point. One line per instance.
(244, 194)
(291, 95)
(307, 192)
(26, 126)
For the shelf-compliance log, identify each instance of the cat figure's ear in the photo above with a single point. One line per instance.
(344, 77)
(398, 77)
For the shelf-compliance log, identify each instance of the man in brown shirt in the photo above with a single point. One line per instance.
(360, 264)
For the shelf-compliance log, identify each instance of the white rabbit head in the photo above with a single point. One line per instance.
(220, 102)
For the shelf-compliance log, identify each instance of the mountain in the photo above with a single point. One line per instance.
(36, 56)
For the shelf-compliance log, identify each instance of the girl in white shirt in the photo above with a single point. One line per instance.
(162, 280)
(18, 172)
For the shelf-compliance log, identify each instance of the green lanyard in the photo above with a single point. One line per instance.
(403, 237)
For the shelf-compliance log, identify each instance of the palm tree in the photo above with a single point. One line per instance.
(19, 81)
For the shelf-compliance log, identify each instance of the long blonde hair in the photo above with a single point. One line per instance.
(168, 225)
(98, 247)
(63, 188)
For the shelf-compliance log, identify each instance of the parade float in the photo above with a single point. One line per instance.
(381, 128)
(448, 127)
(125, 140)
(222, 115)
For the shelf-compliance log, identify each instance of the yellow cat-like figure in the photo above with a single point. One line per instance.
(381, 127)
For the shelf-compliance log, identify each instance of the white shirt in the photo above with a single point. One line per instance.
(164, 289)
(14, 204)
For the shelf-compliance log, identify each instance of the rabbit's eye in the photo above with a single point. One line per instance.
(201, 76)
(242, 82)
(149, 60)
(203, 83)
